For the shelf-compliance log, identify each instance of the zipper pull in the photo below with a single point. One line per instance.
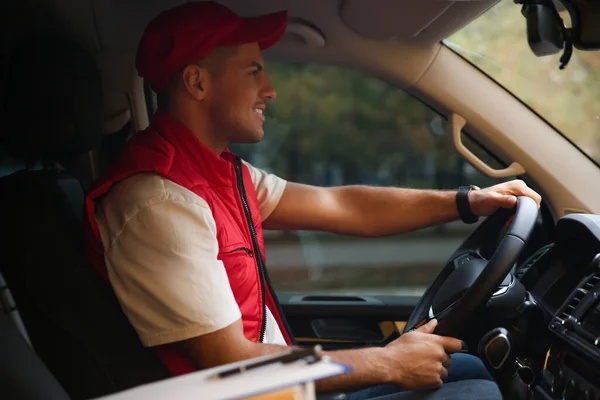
(250, 253)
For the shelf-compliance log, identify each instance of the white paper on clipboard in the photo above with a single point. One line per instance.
(197, 385)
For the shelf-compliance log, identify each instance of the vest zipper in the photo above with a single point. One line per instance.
(259, 259)
(260, 262)
(245, 250)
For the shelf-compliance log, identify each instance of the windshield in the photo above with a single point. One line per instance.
(569, 99)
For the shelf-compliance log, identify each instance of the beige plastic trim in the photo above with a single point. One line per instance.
(139, 113)
(312, 37)
(117, 122)
(567, 211)
(458, 123)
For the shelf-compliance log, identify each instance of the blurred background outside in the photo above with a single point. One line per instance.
(335, 126)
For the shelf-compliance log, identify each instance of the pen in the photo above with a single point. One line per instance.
(310, 353)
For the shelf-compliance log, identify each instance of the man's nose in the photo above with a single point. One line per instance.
(268, 92)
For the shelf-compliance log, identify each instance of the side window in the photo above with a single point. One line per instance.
(331, 126)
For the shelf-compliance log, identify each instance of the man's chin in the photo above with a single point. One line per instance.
(251, 137)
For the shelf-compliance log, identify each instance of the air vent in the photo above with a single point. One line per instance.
(591, 282)
(532, 260)
(588, 284)
(574, 301)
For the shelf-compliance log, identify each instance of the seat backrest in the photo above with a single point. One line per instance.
(73, 318)
(23, 375)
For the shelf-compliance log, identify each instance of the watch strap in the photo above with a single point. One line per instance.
(465, 212)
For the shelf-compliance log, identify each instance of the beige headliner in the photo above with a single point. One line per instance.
(414, 59)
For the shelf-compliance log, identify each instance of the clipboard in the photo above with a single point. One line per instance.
(251, 380)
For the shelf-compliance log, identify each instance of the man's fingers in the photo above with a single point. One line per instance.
(450, 344)
(505, 194)
(534, 195)
(428, 327)
(444, 373)
(447, 361)
(507, 201)
(521, 189)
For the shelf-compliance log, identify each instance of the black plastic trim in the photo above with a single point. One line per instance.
(522, 228)
(385, 308)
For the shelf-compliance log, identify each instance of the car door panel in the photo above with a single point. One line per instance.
(337, 321)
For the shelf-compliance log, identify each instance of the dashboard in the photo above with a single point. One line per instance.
(561, 267)
(564, 280)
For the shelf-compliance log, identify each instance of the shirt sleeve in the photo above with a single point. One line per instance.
(269, 189)
(164, 270)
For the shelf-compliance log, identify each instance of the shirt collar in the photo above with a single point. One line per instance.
(191, 153)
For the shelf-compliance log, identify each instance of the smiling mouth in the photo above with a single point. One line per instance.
(259, 113)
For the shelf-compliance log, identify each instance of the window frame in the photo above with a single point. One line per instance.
(514, 96)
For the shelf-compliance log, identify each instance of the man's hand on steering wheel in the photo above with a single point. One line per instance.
(469, 279)
(486, 201)
(419, 359)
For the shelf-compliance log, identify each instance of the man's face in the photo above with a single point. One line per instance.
(238, 94)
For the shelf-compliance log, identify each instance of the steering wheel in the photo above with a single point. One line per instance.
(468, 280)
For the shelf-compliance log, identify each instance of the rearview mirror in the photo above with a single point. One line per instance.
(585, 14)
(547, 33)
(544, 32)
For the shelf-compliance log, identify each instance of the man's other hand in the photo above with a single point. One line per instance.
(486, 201)
(419, 359)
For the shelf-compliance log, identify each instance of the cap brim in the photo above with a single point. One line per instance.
(266, 30)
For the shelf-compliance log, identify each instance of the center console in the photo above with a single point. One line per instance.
(572, 368)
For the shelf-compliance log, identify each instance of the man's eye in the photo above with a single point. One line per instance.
(254, 72)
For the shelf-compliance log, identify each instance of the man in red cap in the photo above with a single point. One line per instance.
(176, 225)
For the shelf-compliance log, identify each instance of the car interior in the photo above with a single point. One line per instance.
(525, 281)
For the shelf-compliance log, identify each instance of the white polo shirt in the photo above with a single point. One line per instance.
(161, 255)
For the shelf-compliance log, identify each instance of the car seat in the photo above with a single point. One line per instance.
(23, 376)
(54, 112)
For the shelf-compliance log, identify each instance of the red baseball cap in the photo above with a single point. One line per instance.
(186, 33)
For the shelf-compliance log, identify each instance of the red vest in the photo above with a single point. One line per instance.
(170, 149)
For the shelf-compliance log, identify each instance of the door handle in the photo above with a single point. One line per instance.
(333, 300)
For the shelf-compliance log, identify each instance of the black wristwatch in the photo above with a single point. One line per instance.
(462, 203)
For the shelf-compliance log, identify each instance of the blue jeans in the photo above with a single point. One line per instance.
(467, 378)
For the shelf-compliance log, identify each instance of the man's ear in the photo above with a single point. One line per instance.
(196, 81)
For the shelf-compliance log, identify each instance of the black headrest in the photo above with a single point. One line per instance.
(54, 100)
